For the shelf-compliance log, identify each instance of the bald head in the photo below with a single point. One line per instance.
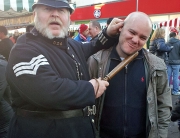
(134, 34)
(139, 16)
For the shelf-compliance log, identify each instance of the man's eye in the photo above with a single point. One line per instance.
(144, 39)
(61, 10)
(132, 32)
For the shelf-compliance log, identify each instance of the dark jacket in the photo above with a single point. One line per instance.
(6, 111)
(5, 47)
(126, 88)
(174, 54)
(176, 112)
(160, 48)
(51, 75)
(159, 101)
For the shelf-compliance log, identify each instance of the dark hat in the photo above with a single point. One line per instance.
(55, 4)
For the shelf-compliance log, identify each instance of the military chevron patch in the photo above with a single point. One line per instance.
(30, 67)
(102, 38)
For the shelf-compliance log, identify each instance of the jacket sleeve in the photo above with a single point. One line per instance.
(92, 67)
(3, 82)
(162, 46)
(33, 78)
(164, 103)
(103, 41)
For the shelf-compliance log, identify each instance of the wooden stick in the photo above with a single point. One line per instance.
(120, 66)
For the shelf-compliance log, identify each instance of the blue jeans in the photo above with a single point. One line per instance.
(173, 70)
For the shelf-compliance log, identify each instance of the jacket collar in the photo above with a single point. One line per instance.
(94, 38)
(114, 55)
(59, 42)
(173, 40)
(153, 61)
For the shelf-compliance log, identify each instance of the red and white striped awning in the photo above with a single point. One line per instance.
(171, 23)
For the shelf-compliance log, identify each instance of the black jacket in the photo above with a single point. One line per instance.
(5, 47)
(125, 89)
(174, 54)
(6, 111)
(176, 112)
(51, 75)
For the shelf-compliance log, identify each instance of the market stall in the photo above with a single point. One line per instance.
(15, 12)
(171, 23)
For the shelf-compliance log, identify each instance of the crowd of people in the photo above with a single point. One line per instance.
(51, 81)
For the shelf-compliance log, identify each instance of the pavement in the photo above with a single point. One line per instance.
(173, 131)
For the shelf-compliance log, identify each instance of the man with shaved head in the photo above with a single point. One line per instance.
(137, 102)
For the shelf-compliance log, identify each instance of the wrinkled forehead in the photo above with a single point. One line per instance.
(139, 25)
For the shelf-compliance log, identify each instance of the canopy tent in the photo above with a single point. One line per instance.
(15, 12)
(170, 23)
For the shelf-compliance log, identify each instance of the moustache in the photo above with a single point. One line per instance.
(56, 21)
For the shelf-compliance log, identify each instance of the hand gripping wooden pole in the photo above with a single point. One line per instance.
(120, 66)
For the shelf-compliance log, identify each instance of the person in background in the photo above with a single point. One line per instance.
(173, 29)
(174, 62)
(6, 111)
(94, 29)
(108, 21)
(29, 28)
(15, 36)
(71, 34)
(5, 43)
(176, 113)
(53, 95)
(158, 46)
(137, 103)
(83, 35)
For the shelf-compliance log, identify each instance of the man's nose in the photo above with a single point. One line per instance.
(135, 39)
(55, 13)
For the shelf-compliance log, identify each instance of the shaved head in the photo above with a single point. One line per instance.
(134, 34)
(138, 16)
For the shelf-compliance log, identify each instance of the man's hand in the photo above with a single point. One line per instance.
(99, 86)
(114, 27)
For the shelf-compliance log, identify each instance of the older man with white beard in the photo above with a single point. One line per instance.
(52, 93)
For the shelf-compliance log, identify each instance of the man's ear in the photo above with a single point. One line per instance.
(120, 29)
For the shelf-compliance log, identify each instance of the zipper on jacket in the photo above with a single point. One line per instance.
(126, 69)
(125, 115)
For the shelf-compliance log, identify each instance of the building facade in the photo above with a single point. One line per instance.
(158, 10)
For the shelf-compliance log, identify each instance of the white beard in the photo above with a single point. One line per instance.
(45, 31)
